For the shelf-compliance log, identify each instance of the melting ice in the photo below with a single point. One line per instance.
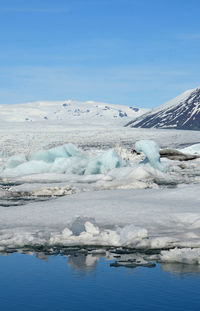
(68, 159)
(64, 159)
(130, 217)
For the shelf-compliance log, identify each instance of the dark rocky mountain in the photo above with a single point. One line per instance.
(182, 112)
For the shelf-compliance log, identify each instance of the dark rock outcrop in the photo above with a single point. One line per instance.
(174, 154)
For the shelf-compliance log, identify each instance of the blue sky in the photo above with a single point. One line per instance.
(134, 52)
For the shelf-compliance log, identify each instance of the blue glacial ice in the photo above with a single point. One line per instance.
(151, 150)
(68, 159)
(15, 160)
(104, 162)
(65, 159)
(64, 151)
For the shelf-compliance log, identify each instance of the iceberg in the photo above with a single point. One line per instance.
(189, 256)
(65, 159)
(64, 151)
(60, 165)
(104, 163)
(27, 168)
(151, 150)
(15, 160)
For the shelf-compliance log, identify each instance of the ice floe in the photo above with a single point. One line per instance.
(151, 150)
(104, 197)
(185, 256)
(64, 159)
(150, 219)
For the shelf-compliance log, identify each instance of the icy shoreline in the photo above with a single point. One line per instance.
(129, 218)
(117, 200)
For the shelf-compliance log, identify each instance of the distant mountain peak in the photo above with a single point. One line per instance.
(69, 111)
(182, 112)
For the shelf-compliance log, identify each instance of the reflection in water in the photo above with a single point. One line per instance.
(42, 256)
(178, 268)
(83, 262)
(86, 260)
(31, 284)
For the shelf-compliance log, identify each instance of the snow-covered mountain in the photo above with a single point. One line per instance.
(182, 112)
(69, 111)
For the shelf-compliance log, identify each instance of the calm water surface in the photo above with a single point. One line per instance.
(89, 283)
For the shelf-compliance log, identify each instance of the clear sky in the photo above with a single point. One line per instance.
(134, 52)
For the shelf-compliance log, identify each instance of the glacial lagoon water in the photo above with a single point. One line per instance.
(36, 282)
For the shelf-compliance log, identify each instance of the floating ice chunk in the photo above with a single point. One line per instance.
(43, 155)
(27, 168)
(184, 256)
(104, 163)
(61, 165)
(79, 164)
(65, 151)
(57, 239)
(66, 232)
(1, 154)
(78, 225)
(151, 150)
(15, 160)
(90, 228)
(127, 178)
(73, 165)
(130, 235)
(162, 242)
(130, 173)
(66, 159)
